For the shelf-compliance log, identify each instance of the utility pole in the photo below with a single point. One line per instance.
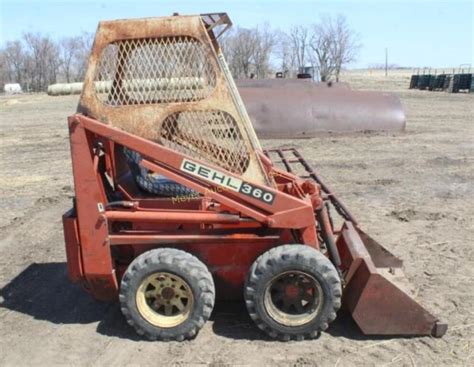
(386, 61)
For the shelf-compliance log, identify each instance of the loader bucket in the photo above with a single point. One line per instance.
(376, 292)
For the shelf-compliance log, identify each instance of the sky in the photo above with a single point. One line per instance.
(416, 33)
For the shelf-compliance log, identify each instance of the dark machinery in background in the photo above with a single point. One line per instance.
(460, 81)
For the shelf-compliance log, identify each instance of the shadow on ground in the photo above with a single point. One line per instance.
(44, 292)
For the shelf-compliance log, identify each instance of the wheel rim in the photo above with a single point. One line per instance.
(164, 300)
(293, 298)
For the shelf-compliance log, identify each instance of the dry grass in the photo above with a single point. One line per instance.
(412, 191)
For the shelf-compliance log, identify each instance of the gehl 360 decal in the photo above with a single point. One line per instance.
(229, 182)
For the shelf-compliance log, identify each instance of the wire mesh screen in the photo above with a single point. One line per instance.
(208, 135)
(154, 70)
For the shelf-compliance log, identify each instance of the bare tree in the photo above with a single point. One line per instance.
(35, 61)
(299, 38)
(248, 51)
(284, 52)
(4, 72)
(265, 41)
(321, 44)
(329, 44)
(69, 48)
(14, 56)
(345, 45)
(239, 47)
(42, 61)
(82, 55)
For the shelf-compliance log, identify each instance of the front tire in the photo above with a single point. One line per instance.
(167, 294)
(293, 292)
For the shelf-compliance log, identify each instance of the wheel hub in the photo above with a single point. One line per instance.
(292, 291)
(167, 293)
(164, 300)
(293, 298)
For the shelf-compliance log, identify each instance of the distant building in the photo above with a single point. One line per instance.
(12, 88)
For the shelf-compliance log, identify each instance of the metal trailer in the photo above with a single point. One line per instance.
(414, 81)
(439, 82)
(424, 81)
(462, 82)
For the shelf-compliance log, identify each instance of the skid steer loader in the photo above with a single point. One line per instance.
(176, 202)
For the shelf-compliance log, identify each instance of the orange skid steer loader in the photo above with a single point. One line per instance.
(176, 202)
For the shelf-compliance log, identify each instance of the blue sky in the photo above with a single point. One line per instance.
(416, 33)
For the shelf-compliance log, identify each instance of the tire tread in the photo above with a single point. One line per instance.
(182, 262)
(301, 254)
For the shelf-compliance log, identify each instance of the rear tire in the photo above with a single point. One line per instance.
(292, 292)
(167, 294)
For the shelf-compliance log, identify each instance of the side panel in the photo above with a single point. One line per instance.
(92, 225)
(73, 247)
(228, 262)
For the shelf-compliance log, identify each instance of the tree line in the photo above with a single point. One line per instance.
(36, 61)
(324, 47)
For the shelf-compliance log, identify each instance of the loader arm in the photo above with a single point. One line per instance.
(262, 203)
(376, 293)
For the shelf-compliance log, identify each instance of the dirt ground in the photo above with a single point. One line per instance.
(412, 191)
